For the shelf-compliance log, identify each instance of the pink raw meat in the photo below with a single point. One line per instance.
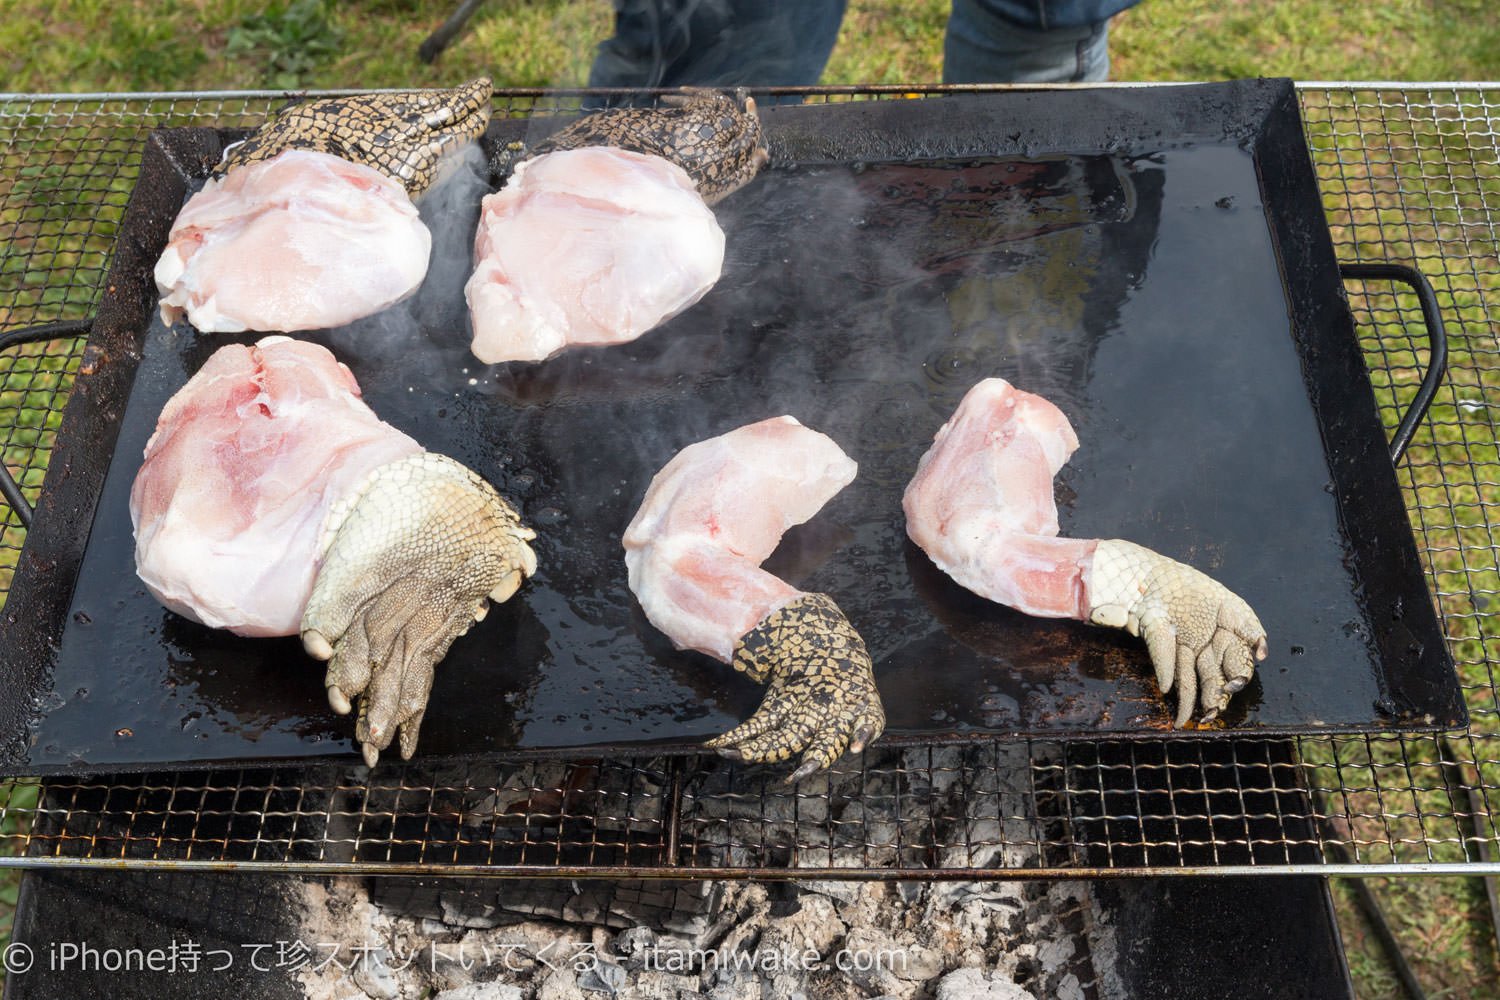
(981, 507)
(302, 241)
(713, 514)
(244, 463)
(980, 504)
(588, 246)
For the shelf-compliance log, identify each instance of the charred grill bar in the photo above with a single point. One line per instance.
(1404, 174)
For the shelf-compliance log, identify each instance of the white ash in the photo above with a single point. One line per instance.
(373, 975)
(556, 939)
(482, 991)
(972, 984)
(776, 940)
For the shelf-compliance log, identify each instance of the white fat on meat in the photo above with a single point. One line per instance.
(713, 514)
(588, 246)
(245, 461)
(303, 241)
(981, 505)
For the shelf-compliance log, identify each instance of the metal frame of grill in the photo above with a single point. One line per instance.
(1408, 173)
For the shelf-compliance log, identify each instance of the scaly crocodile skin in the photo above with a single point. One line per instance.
(404, 134)
(411, 560)
(821, 696)
(1201, 636)
(714, 136)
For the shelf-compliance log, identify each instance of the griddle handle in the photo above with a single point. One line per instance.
(1437, 342)
(9, 488)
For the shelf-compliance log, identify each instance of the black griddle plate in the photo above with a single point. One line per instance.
(1155, 262)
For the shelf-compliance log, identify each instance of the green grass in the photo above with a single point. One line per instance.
(1444, 927)
(235, 44)
(18, 799)
(290, 40)
(1389, 40)
(200, 45)
(93, 45)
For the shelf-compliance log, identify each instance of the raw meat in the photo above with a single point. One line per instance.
(272, 501)
(693, 552)
(981, 507)
(713, 135)
(246, 459)
(588, 246)
(303, 241)
(713, 514)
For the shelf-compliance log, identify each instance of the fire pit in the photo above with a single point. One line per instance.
(1072, 805)
(895, 254)
(274, 936)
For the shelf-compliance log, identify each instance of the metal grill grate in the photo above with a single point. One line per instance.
(1407, 174)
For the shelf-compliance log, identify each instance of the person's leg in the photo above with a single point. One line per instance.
(983, 46)
(717, 43)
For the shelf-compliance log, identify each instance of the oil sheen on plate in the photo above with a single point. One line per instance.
(1140, 294)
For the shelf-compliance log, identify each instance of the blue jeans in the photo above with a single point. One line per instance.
(982, 46)
(770, 43)
(717, 43)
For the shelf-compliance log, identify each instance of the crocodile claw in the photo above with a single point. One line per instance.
(404, 135)
(714, 136)
(1203, 638)
(411, 560)
(821, 697)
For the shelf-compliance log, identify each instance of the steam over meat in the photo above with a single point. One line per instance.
(303, 241)
(588, 246)
(245, 462)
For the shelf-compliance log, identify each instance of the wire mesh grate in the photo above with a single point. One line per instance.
(1407, 174)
